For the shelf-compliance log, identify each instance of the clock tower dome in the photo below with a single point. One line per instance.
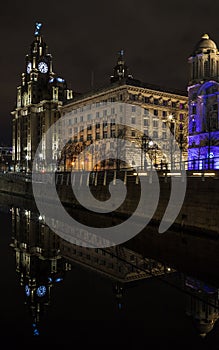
(39, 98)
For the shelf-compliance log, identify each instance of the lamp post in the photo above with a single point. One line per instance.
(27, 158)
(146, 145)
(171, 123)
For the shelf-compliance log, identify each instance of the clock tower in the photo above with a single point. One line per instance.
(39, 98)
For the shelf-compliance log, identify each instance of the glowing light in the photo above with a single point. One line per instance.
(38, 27)
(27, 290)
(41, 291)
(58, 279)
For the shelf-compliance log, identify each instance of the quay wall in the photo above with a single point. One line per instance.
(199, 211)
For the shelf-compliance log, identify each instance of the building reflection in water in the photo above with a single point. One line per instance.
(43, 258)
(202, 304)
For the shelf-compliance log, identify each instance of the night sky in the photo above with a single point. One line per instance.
(85, 36)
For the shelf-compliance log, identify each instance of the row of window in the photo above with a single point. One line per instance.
(113, 135)
(158, 101)
(82, 119)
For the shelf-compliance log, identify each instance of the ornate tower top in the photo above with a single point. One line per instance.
(121, 69)
(204, 61)
(38, 26)
(205, 45)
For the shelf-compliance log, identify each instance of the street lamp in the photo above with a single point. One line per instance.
(171, 123)
(27, 158)
(147, 145)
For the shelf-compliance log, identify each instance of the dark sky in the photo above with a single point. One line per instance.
(85, 36)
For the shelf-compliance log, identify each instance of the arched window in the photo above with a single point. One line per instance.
(206, 69)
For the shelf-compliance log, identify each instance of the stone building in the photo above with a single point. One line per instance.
(203, 91)
(39, 97)
(144, 115)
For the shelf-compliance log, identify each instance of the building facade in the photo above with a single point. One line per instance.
(151, 120)
(39, 97)
(203, 92)
(144, 115)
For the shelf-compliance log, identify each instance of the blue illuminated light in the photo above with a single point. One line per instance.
(60, 80)
(50, 279)
(41, 291)
(27, 291)
(38, 27)
(35, 330)
(51, 80)
(59, 279)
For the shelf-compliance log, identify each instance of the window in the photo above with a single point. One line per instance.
(165, 102)
(97, 136)
(112, 133)
(193, 126)
(164, 113)
(113, 121)
(97, 125)
(133, 120)
(105, 124)
(133, 109)
(97, 115)
(81, 118)
(112, 111)
(181, 117)
(193, 109)
(75, 130)
(146, 111)
(156, 101)
(133, 133)
(70, 131)
(155, 123)
(81, 138)
(155, 134)
(164, 135)
(105, 134)
(89, 137)
(156, 112)
(164, 125)
(146, 99)
(146, 122)
(174, 104)
(89, 127)
(89, 117)
(69, 122)
(105, 113)
(76, 120)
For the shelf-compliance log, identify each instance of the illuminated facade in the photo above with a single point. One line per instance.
(39, 97)
(203, 92)
(96, 119)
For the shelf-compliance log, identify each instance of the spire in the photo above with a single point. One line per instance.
(38, 26)
(121, 69)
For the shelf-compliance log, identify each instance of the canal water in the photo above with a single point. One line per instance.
(55, 294)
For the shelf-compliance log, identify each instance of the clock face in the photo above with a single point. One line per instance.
(29, 66)
(41, 291)
(43, 68)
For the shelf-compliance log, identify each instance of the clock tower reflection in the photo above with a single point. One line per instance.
(38, 262)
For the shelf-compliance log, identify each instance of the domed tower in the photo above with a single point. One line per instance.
(204, 61)
(203, 89)
(39, 98)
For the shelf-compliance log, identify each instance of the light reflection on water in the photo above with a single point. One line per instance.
(56, 292)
